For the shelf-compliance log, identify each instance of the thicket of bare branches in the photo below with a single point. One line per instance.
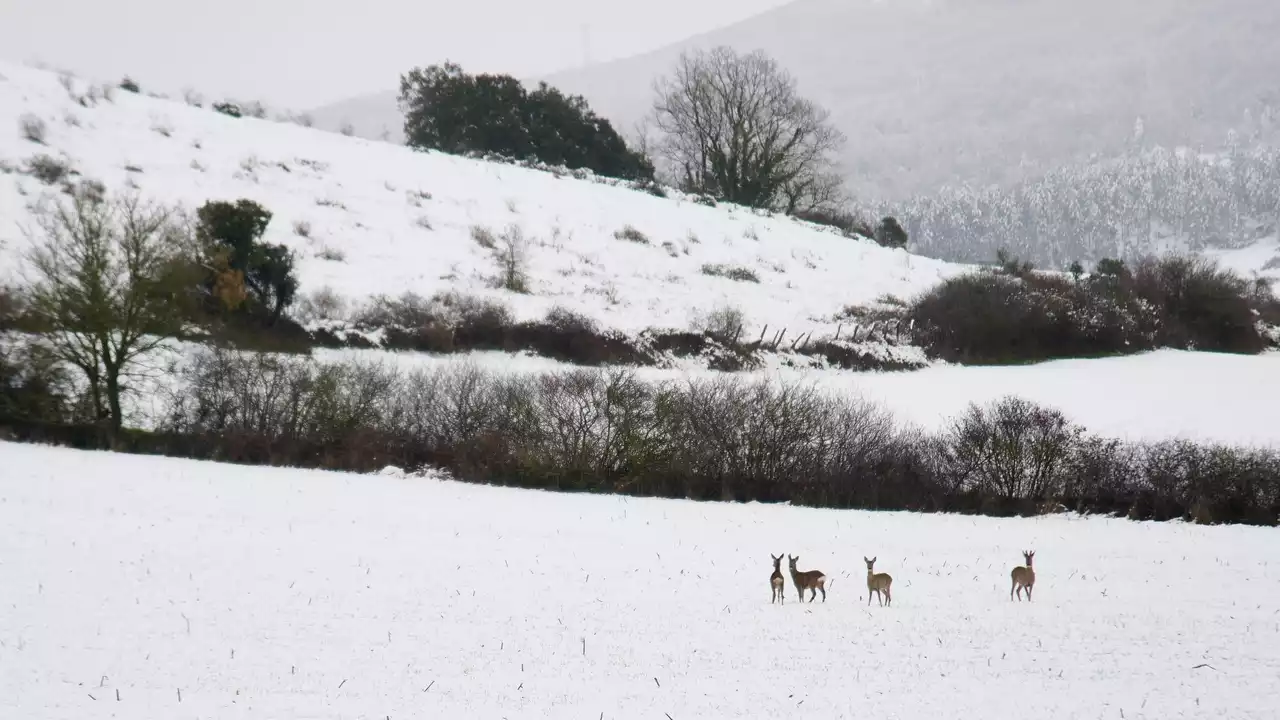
(727, 438)
(736, 128)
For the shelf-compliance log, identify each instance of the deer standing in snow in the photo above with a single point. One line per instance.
(811, 580)
(775, 580)
(878, 583)
(1024, 577)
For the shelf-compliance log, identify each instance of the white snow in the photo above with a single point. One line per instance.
(1261, 257)
(401, 220)
(141, 587)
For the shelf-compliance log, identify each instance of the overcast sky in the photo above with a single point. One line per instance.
(303, 53)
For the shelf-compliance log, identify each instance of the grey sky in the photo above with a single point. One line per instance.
(304, 53)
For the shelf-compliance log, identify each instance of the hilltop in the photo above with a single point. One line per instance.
(369, 218)
(939, 92)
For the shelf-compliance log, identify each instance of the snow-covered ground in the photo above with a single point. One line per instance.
(383, 219)
(142, 587)
(1261, 257)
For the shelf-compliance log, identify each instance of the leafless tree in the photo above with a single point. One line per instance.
(512, 255)
(735, 127)
(105, 279)
(1012, 448)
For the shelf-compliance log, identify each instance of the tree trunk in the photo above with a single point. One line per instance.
(276, 311)
(113, 398)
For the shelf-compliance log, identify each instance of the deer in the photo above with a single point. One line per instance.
(811, 580)
(775, 580)
(1024, 577)
(878, 583)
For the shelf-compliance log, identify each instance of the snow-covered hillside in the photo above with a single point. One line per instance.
(146, 587)
(379, 218)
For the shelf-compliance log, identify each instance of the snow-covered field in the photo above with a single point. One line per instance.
(139, 587)
(383, 219)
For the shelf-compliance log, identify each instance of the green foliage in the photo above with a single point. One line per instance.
(228, 108)
(448, 110)
(890, 234)
(230, 236)
(1111, 267)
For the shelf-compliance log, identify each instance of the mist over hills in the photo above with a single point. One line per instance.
(936, 92)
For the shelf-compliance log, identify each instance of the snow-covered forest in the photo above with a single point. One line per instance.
(1150, 200)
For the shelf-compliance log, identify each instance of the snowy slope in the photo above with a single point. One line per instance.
(384, 219)
(1261, 257)
(154, 588)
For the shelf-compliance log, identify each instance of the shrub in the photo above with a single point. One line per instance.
(302, 228)
(1112, 268)
(724, 323)
(48, 169)
(849, 224)
(33, 128)
(449, 110)
(1018, 315)
(561, 319)
(34, 387)
(323, 304)
(631, 234)
(1200, 306)
(228, 108)
(511, 254)
(890, 234)
(128, 85)
(731, 272)
(331, 254)
(483, 237)
(1010, 450)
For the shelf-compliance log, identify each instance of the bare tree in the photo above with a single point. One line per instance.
(104, 280)
(512, 255)
(736, 128)
(1012, 448)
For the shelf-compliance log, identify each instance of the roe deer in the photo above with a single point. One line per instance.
(1024, 577)
(878, 583)
(775, 581)
(811, 580)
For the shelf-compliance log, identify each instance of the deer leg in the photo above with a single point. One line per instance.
(888, 594)
(1028, 593)
(824, 592)
(1011, 589)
